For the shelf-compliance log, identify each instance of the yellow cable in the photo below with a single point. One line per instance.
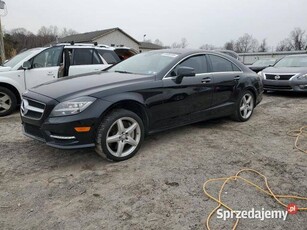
(302, 132)
(267, 191)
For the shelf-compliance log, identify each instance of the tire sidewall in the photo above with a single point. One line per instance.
(112, 117)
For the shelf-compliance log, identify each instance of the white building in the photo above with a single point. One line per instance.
(112, 37)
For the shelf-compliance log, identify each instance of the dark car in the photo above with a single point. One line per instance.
(261, 64)
(288, 74)
(115, 109)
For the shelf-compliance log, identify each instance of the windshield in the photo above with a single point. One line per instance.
(18, 58)
(294, 61)
(264, 62)
(145, 63)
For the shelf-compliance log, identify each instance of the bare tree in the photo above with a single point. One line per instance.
(66, 32)
(284, 45)
(246, 44)
(208, 47)
(158, 42)
(182, 44)
(298, 40)
(230, 45)
(263, 46)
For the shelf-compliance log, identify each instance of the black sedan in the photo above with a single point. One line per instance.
(115, 109)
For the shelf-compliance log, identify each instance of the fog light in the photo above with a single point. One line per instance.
(82, 129)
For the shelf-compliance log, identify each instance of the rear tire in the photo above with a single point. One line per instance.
(120, 135)
(8, 101)
(244, 106)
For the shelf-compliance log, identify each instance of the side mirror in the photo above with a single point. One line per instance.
(184, 71)
(26, 65)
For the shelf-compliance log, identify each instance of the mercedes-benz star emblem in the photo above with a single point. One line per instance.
(24, 107)
(277, 77)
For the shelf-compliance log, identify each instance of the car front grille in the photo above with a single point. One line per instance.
(281, 87)
(32, 109)
(278, 76)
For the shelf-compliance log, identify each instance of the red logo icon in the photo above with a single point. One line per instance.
(292, 208)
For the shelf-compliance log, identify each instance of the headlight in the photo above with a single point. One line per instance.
(72, 107)
(302, 77)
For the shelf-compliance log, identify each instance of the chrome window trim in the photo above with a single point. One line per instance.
(196, 54)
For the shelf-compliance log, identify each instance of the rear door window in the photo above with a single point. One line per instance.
(220, 64)
(85, 56)
(109, 55)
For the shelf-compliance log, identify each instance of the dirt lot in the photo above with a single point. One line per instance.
(161, 187)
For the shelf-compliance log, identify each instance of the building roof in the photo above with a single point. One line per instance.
(92, 36)
(149, 45)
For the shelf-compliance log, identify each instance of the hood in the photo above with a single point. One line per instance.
(86, 85)
(285, 70)
(5, 69)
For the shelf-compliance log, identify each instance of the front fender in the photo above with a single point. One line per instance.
(12, 82)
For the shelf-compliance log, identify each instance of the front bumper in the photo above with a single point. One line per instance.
(60, 132)
(285, 85)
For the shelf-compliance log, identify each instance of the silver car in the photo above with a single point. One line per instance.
(288, 74)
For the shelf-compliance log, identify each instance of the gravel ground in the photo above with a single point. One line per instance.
(161, 187)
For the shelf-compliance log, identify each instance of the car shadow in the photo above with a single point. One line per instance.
(286, 94)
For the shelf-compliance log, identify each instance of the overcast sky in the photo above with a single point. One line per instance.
(199, 21)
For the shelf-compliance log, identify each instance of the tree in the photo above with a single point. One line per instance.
(230, 45)
(263, 46)
(66, 32)
(246, 44)
(208, 47)
(284, 45)
(182, 44)
(158, 42)
(298, 40)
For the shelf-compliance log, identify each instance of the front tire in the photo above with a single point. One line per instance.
(244, 106)
(120, 135)
(8, 101)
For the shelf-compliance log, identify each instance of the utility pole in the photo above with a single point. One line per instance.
(2, 44)
(2, 51)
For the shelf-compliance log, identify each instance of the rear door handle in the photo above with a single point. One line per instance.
(236, 78)
(206, 80)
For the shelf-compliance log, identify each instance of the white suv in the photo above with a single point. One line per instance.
(39, 65)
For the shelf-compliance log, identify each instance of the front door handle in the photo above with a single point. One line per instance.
(206, 80)
(236, 78)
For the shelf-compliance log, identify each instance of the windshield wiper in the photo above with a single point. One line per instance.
(120, 71)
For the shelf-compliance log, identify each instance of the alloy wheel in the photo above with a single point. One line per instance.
(5, 102)
(123, 137)
(246, 106)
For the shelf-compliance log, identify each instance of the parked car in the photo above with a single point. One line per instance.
(149, 92)
(288, 74)
(262, 64)
(124, 52)
(39, 65)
